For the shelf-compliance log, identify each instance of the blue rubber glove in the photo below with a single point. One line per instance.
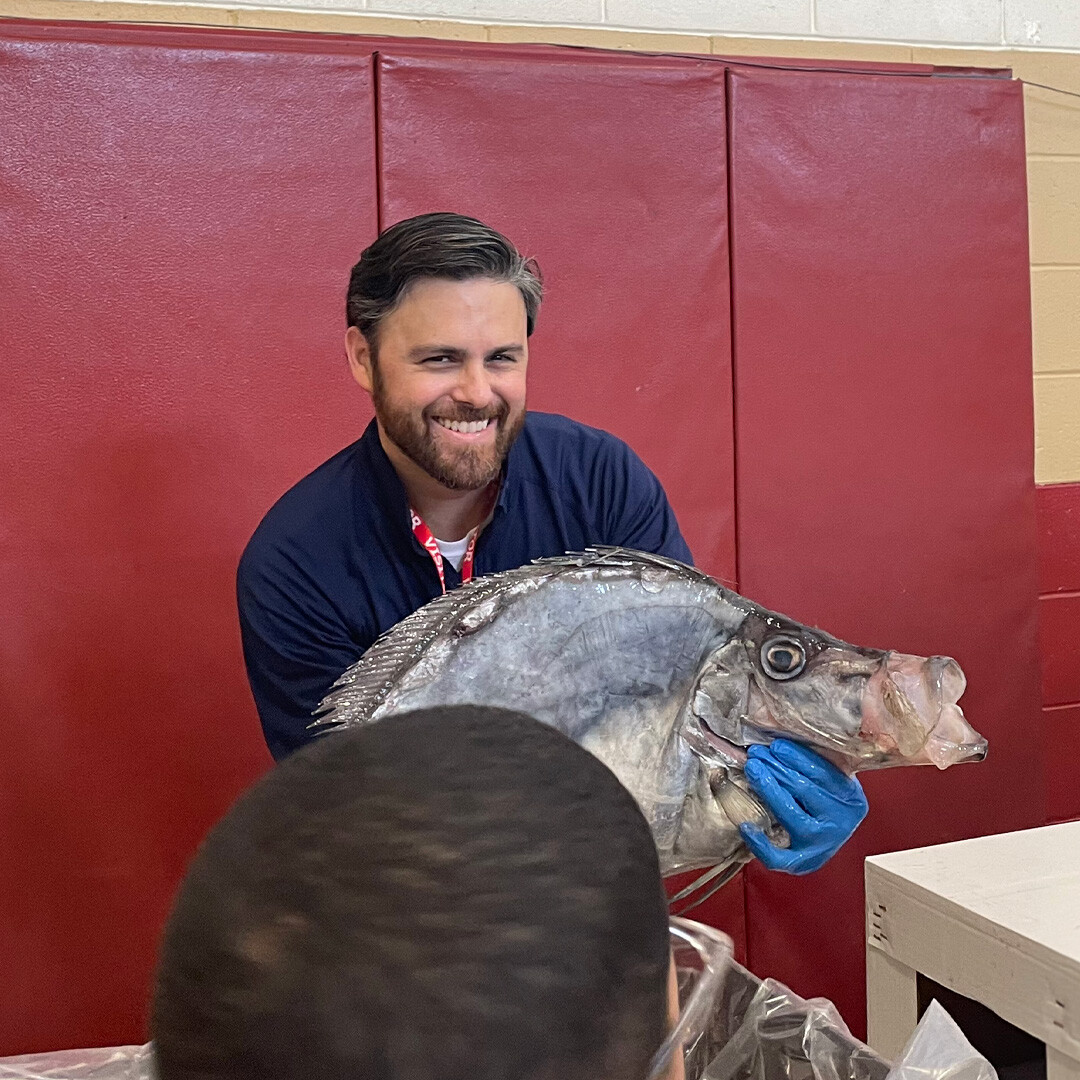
(818, 805)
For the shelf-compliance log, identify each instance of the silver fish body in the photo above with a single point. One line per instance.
(667, 677)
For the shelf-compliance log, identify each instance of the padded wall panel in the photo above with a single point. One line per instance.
(1059, 606)
(1059, 632)
(179, 215)
(1058, 511)
(611, 171)
(1061, 730)
(884, 440)
(1059, 627)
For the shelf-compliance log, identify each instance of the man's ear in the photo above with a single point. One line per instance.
(359, 353)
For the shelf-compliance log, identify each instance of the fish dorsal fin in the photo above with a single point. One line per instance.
(364, 686)
(639, 560)
(631, 559)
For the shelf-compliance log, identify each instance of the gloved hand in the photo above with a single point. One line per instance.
(818, 805)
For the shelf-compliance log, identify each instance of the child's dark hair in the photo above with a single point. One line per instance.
(450, 894)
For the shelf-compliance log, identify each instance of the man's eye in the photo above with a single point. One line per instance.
(503, 358)
(437, 361)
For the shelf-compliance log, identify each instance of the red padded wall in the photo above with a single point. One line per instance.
(179, 214)
(180, 211)
(1059, 538)
(1059, 616)
(611, 171)
(884, 440)
(1059, 630)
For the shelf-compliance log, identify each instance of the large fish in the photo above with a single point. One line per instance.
(666, 676)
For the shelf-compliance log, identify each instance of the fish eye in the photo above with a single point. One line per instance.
(783, 657)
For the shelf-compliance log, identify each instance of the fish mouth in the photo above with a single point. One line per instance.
(910, 712)
(972, 751)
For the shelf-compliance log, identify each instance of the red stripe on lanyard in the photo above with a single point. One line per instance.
(423, 534)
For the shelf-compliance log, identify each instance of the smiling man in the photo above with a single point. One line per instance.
(452, 478)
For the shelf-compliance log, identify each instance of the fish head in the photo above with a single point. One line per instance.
(860, 708)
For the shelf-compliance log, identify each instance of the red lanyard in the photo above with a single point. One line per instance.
(423, 534)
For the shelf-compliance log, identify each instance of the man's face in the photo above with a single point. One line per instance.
(448, 382)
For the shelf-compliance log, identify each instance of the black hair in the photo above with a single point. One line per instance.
(441, 246)
(456, 893)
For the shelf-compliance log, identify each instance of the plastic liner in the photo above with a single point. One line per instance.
(761, 1031)
(108, 1063)
(937, 1050)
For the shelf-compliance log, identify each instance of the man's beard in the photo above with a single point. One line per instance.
(464, 469)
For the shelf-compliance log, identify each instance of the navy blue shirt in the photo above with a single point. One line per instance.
(335, 563)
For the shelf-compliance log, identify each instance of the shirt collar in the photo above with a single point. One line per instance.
(380, 482)
(511, 474)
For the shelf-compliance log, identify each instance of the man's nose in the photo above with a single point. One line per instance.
(472, 387)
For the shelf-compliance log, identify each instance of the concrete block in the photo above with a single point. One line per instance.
(1050, 23)
(975, 22)
(1057, 428)
(602, 39)
(518, 11)
(347, 22)
(813, 48)
(1055, 319)
(718, 16)
(1052, 120)
(1054, 219)
(193, 14)
(198, 13)
(966, 58)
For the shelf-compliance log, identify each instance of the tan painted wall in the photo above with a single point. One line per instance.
(1053, 145)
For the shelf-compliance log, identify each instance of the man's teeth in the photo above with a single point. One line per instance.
(468, 428)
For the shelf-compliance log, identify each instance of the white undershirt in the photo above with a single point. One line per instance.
(453, 551)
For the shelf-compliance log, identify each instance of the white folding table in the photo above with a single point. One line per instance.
(996, 919)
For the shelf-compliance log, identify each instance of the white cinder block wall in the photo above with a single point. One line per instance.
(1046, 24)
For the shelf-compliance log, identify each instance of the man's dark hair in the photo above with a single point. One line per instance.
(450, 894)
(440, 246)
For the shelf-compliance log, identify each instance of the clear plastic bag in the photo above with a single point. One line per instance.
(763, 1031)
(760, 1031)
(106, 1063)
(937, 1050)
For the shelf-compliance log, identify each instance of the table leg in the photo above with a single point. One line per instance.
(892, 1006)
(1060, 1066)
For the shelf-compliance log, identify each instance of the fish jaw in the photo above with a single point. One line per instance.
(911, 716)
